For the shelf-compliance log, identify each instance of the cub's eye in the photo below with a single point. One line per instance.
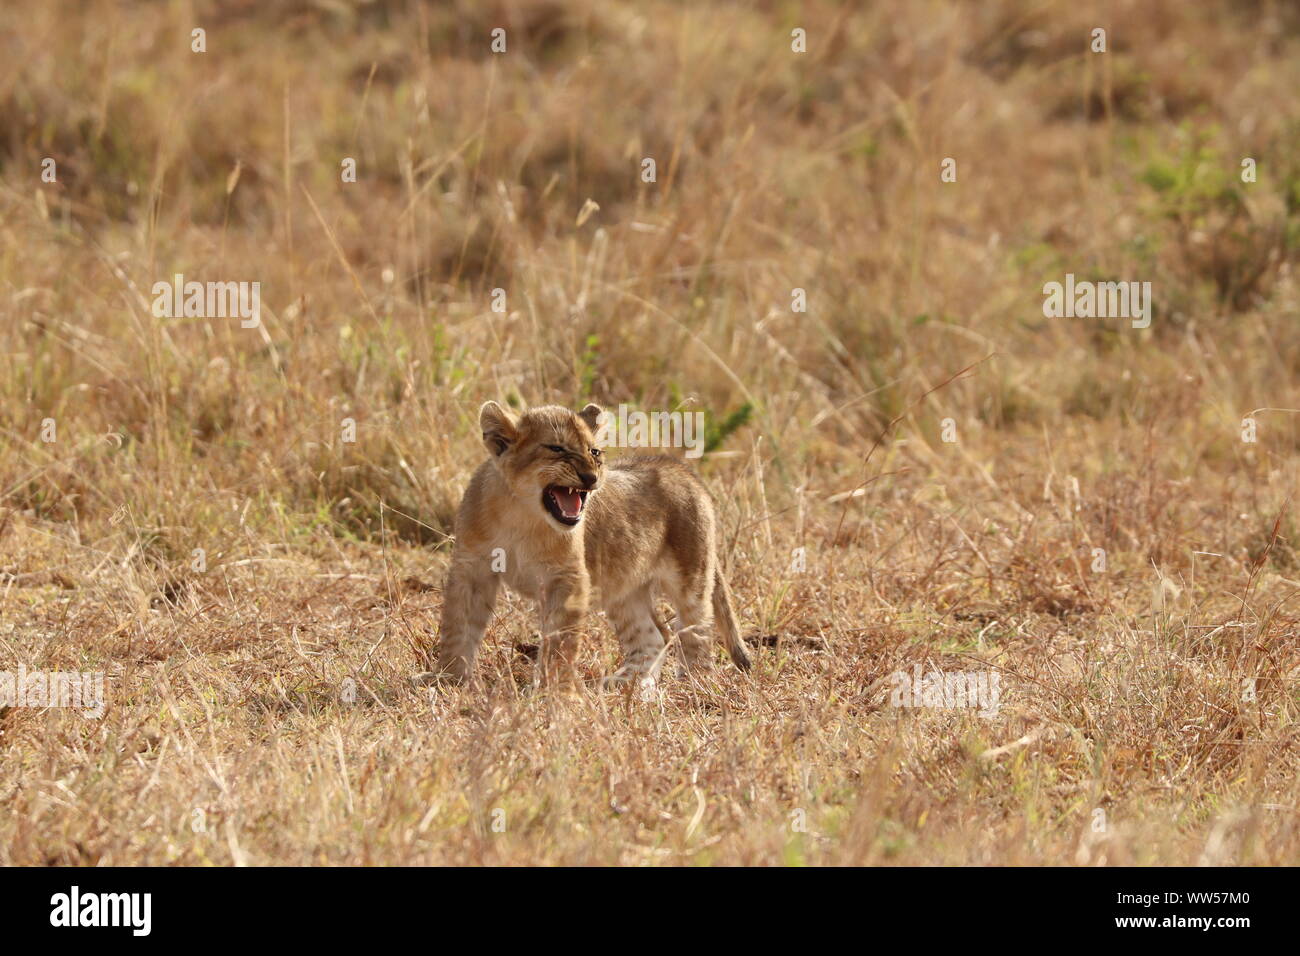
(595, 453)
(558, 449)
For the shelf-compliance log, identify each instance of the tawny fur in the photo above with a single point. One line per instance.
(647, 530)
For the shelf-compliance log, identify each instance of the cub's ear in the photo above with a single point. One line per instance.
(591, 415)
(498, 428)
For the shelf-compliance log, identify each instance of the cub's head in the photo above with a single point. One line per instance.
(548, 455)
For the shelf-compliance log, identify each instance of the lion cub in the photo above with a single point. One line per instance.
(546, 515)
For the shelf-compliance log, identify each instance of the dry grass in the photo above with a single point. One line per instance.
(228, 737)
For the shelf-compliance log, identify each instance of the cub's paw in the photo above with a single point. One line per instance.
(694, 670)
(622, 681)
(442, 679)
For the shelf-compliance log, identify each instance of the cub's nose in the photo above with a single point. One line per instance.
(587, 478)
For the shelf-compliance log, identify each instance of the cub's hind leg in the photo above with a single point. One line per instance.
(694, 629)
(701, 612)
(640, 638)
(691, 594)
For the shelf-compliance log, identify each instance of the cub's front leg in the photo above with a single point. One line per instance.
(467, 601)
(564, 607)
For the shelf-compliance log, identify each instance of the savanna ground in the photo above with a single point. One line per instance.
(199, 531)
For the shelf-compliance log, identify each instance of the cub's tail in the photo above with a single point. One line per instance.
(725, 619)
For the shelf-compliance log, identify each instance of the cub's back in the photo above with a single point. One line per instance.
(651, 508)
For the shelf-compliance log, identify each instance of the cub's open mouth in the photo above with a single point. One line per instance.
(564, 504)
